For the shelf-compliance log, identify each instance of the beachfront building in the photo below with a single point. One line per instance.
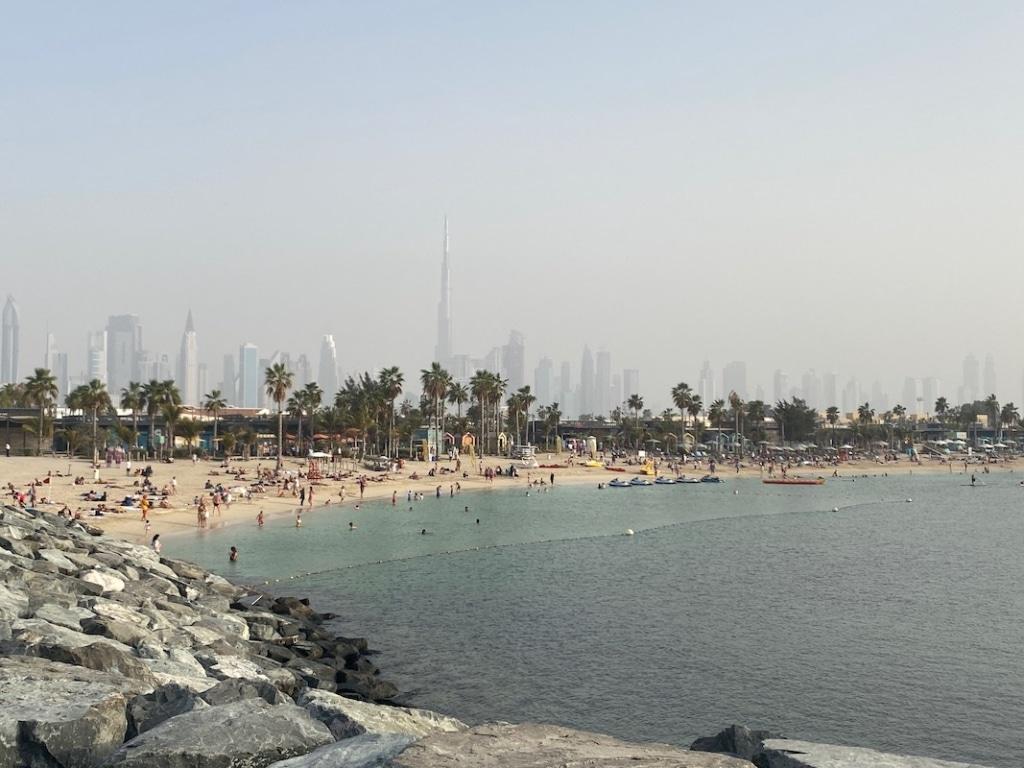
(9, 343)
(124, 351)
(249, 384)
(188, 365)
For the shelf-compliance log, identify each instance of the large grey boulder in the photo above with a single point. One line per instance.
(235, 689)
(347, 717)
(244, 734)
(367, 751)
(54, 714)
(735, 740)
(69, 617)
(532, 746)
(13, 604)
(100, 656)
(148, 710)
(791, 753)
(107, 580)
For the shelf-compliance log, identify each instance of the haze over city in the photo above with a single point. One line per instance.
(796, 187)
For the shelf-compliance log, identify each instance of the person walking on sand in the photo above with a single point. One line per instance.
(302, 497)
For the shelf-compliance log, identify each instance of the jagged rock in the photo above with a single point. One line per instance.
(790, 753)
(183, 569)
(18, 547)
(110, 609)
(243, 734)
(347, 718)
(735, 740)
(148, 710)
(121, 631)
(13, 605)
(368, 751)
(54, 714)
(261, 631)
(38, 632)
(63, 617)
(100, 656)
(368, 687)
(57, 557)
(106, 580)
(530, 746)
(237, 689)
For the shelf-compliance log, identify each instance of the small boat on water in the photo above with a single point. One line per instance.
(663, 480)
(618, 483)
(641, 481)
(794, 481)
(711, 479)
(684, 480)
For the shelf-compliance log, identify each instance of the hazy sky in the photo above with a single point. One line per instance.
(795, 184)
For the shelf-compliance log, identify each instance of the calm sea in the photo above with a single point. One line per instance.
(889, 624)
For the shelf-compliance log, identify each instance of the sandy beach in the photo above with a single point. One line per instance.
(191, 480)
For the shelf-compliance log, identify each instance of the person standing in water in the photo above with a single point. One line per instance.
(259, 519)
(155, 544)
(233, 555)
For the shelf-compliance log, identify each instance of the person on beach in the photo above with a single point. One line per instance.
(298, 519)
(394, 498)
(259, 519)
(233, 555)
(155, 543)
(302, 497)
(309, 496)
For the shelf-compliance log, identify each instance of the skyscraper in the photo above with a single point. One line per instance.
(565, 389)
(930, 392)
(734, 379)
(248, 376)
(603, 382)
(443, 351)
(188, 364)
(96, 357)
(124, 350)
(630, 383)
(969, 392)
(56, 362)
(327, 374)
(989, 384)
(303, 372)
(543, 381)
(586, 398)
(229, 384)
(909, 400)
(706, 385)
(780, 386)
(9, 343)
(829, 394)
(514, 358)
(811, 388)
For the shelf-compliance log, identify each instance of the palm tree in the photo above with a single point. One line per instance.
(296, 406)
(94, 397)
(172, 413)
(832, 417)
(865, 415)
(736, 404)
(716, 413)
(214, 402)
(1007, 416)
(941, 409)
(133, 399)
(694, 408)
(391, 381)
(528, 399)
(278, 380)
(435, 381)
(636, 404)
(497, 390)
(228, 442)
(458, 395)
(682, 396)
(41, 391)
(479, 387)
(190, 429)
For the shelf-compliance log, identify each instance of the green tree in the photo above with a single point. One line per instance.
(736, 406)
(133, 399)
(213, 403)
(682, 396)
(391, 382)
(278, 380)
(635, 403)
(435, 381)
(716, 413)
(832, 417)
(41, 391)
(941, 409)
(94, 398)
(865, 417)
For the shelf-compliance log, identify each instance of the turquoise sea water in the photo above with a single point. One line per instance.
(891, 624)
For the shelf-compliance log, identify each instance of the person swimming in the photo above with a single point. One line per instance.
(233, 554)
(351, 526)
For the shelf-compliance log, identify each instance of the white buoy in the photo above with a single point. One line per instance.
(909, 500)
(735, 492)
(835, 509)
(629, 531)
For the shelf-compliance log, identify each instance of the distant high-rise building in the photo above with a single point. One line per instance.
(249, 376)
(124, 351)
(327, 372)
(303, 372)
(759, 393)
(543, 381)
(879, 397)
(829, 393)
(930, 392)
(910, 390)
(565, 390)
(229, 385)
(60, 373)
(96, 358)
(203, 376)
(188, 364)
(734, 379)
(969, 391)
(514, 358)
(443, 351)
(616, 393)
(810, 387)
(780, 386)
(989, 384)
(262, 363)
(586, 398)
(603, 383)
(630, 383)
(706, 385)
(851, 396)
(9, 343)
